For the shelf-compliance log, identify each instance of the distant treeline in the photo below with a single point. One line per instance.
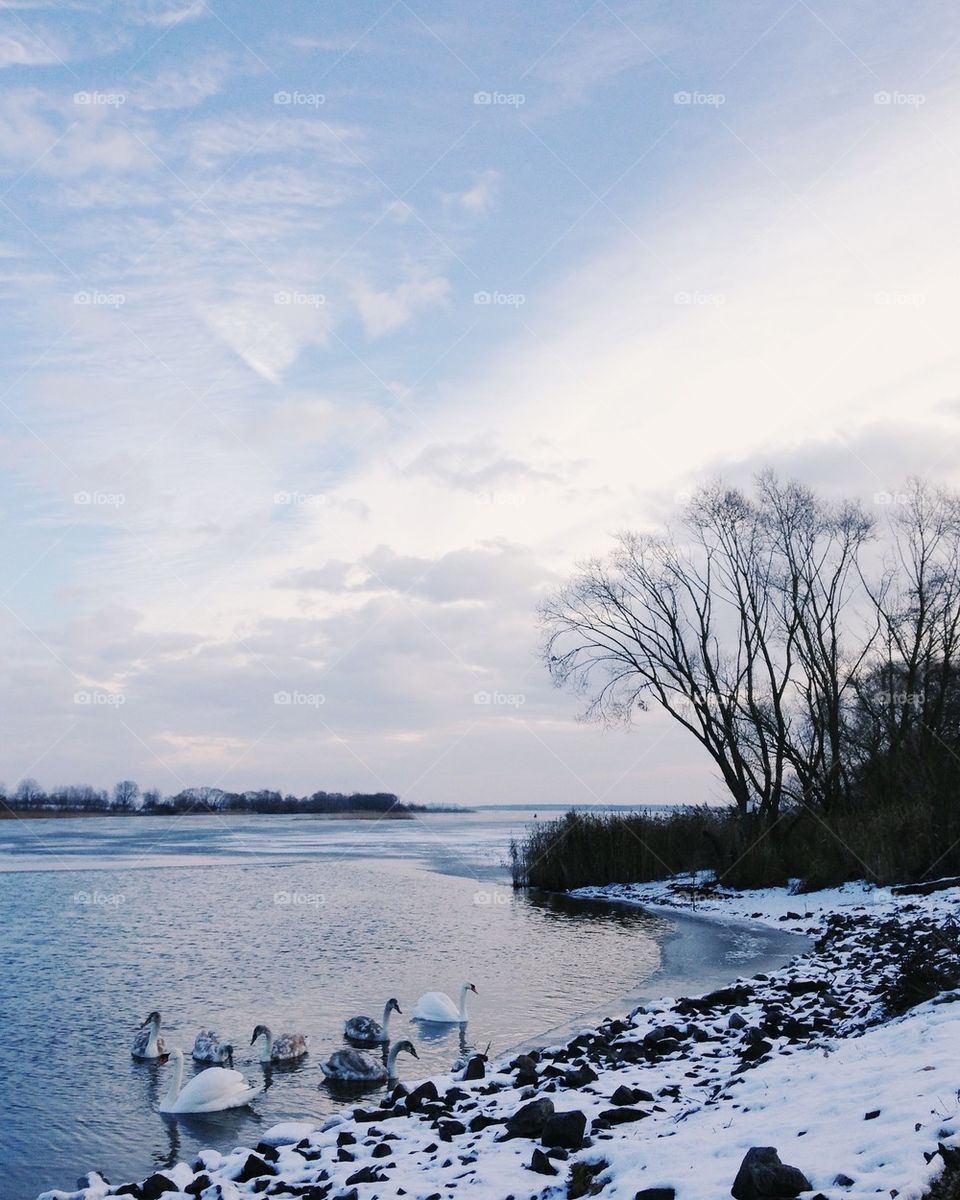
(126, 798)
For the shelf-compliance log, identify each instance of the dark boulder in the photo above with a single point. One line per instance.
(155, 1185)
(656, 1194)
(579, 1077)
(762, 1176)
(448, 1130)
(565, 1130)
(198, 1185)
(542, 1165)
(623, 1116)
(529, 1120)
(476, 1067)
(425, 1092)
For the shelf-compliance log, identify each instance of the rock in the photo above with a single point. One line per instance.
(736, 1021)
(426, 1091)
(580, 1076)
(154, 1186)
(92, 1179)
(450, 1129)
(626, 1095)
(756, 1050)
(367, 1175)
(382, 1150)
(565, 1130)
(482, 1122)
(623, 1116)
(129, 1189)
(529, 1120)
(657, 1193)
(872, 1115)
(662, 1033)
(476, 1067)
(346, 1138)
(253, 1168)
(762, 1176)
(196, 1186)
(842, 1180)
(542, 1165)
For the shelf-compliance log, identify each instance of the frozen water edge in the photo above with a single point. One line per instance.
(854, 1095)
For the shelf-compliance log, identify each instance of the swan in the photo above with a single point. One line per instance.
(366, 1029)
(283, 1048)
(148, 1043)
(439, 1008)
(353, 1066)
(211, 1048)
(211, 1090)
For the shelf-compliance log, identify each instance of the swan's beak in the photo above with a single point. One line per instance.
(413, 1051)
(163, 1059)
(474, 990)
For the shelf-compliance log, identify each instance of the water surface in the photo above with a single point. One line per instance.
(297, 923)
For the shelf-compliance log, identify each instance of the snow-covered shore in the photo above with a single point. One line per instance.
(668, 1101)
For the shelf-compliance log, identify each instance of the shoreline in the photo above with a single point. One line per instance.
(667, 1101)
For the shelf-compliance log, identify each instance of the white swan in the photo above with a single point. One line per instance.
(211, 1048)
(283, 1048)
(369, 1031)
(148, 1043)
(211, 1090)
(440, 1009)
(353, 1066)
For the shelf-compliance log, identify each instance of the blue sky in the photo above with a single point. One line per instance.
(334, 335)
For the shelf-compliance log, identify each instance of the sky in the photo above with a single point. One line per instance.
(335, 335)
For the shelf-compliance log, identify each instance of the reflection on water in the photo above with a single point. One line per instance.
(294, 924)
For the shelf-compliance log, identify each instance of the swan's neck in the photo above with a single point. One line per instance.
(153, 1036)
(266, 1045)
(392, 1061)
(174, 1089)
(387, 1013)
(463, 1002)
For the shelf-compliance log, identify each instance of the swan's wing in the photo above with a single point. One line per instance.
(434, 1006)
(140, 1041)
(290, 1045)
(215, 1083)
(364, 1029)
(350, 1064)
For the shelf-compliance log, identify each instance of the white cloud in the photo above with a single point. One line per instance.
(383, 310)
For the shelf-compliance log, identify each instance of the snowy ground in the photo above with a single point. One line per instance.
(805, 1059)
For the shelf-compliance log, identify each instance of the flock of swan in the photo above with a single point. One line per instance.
(220, 1087)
